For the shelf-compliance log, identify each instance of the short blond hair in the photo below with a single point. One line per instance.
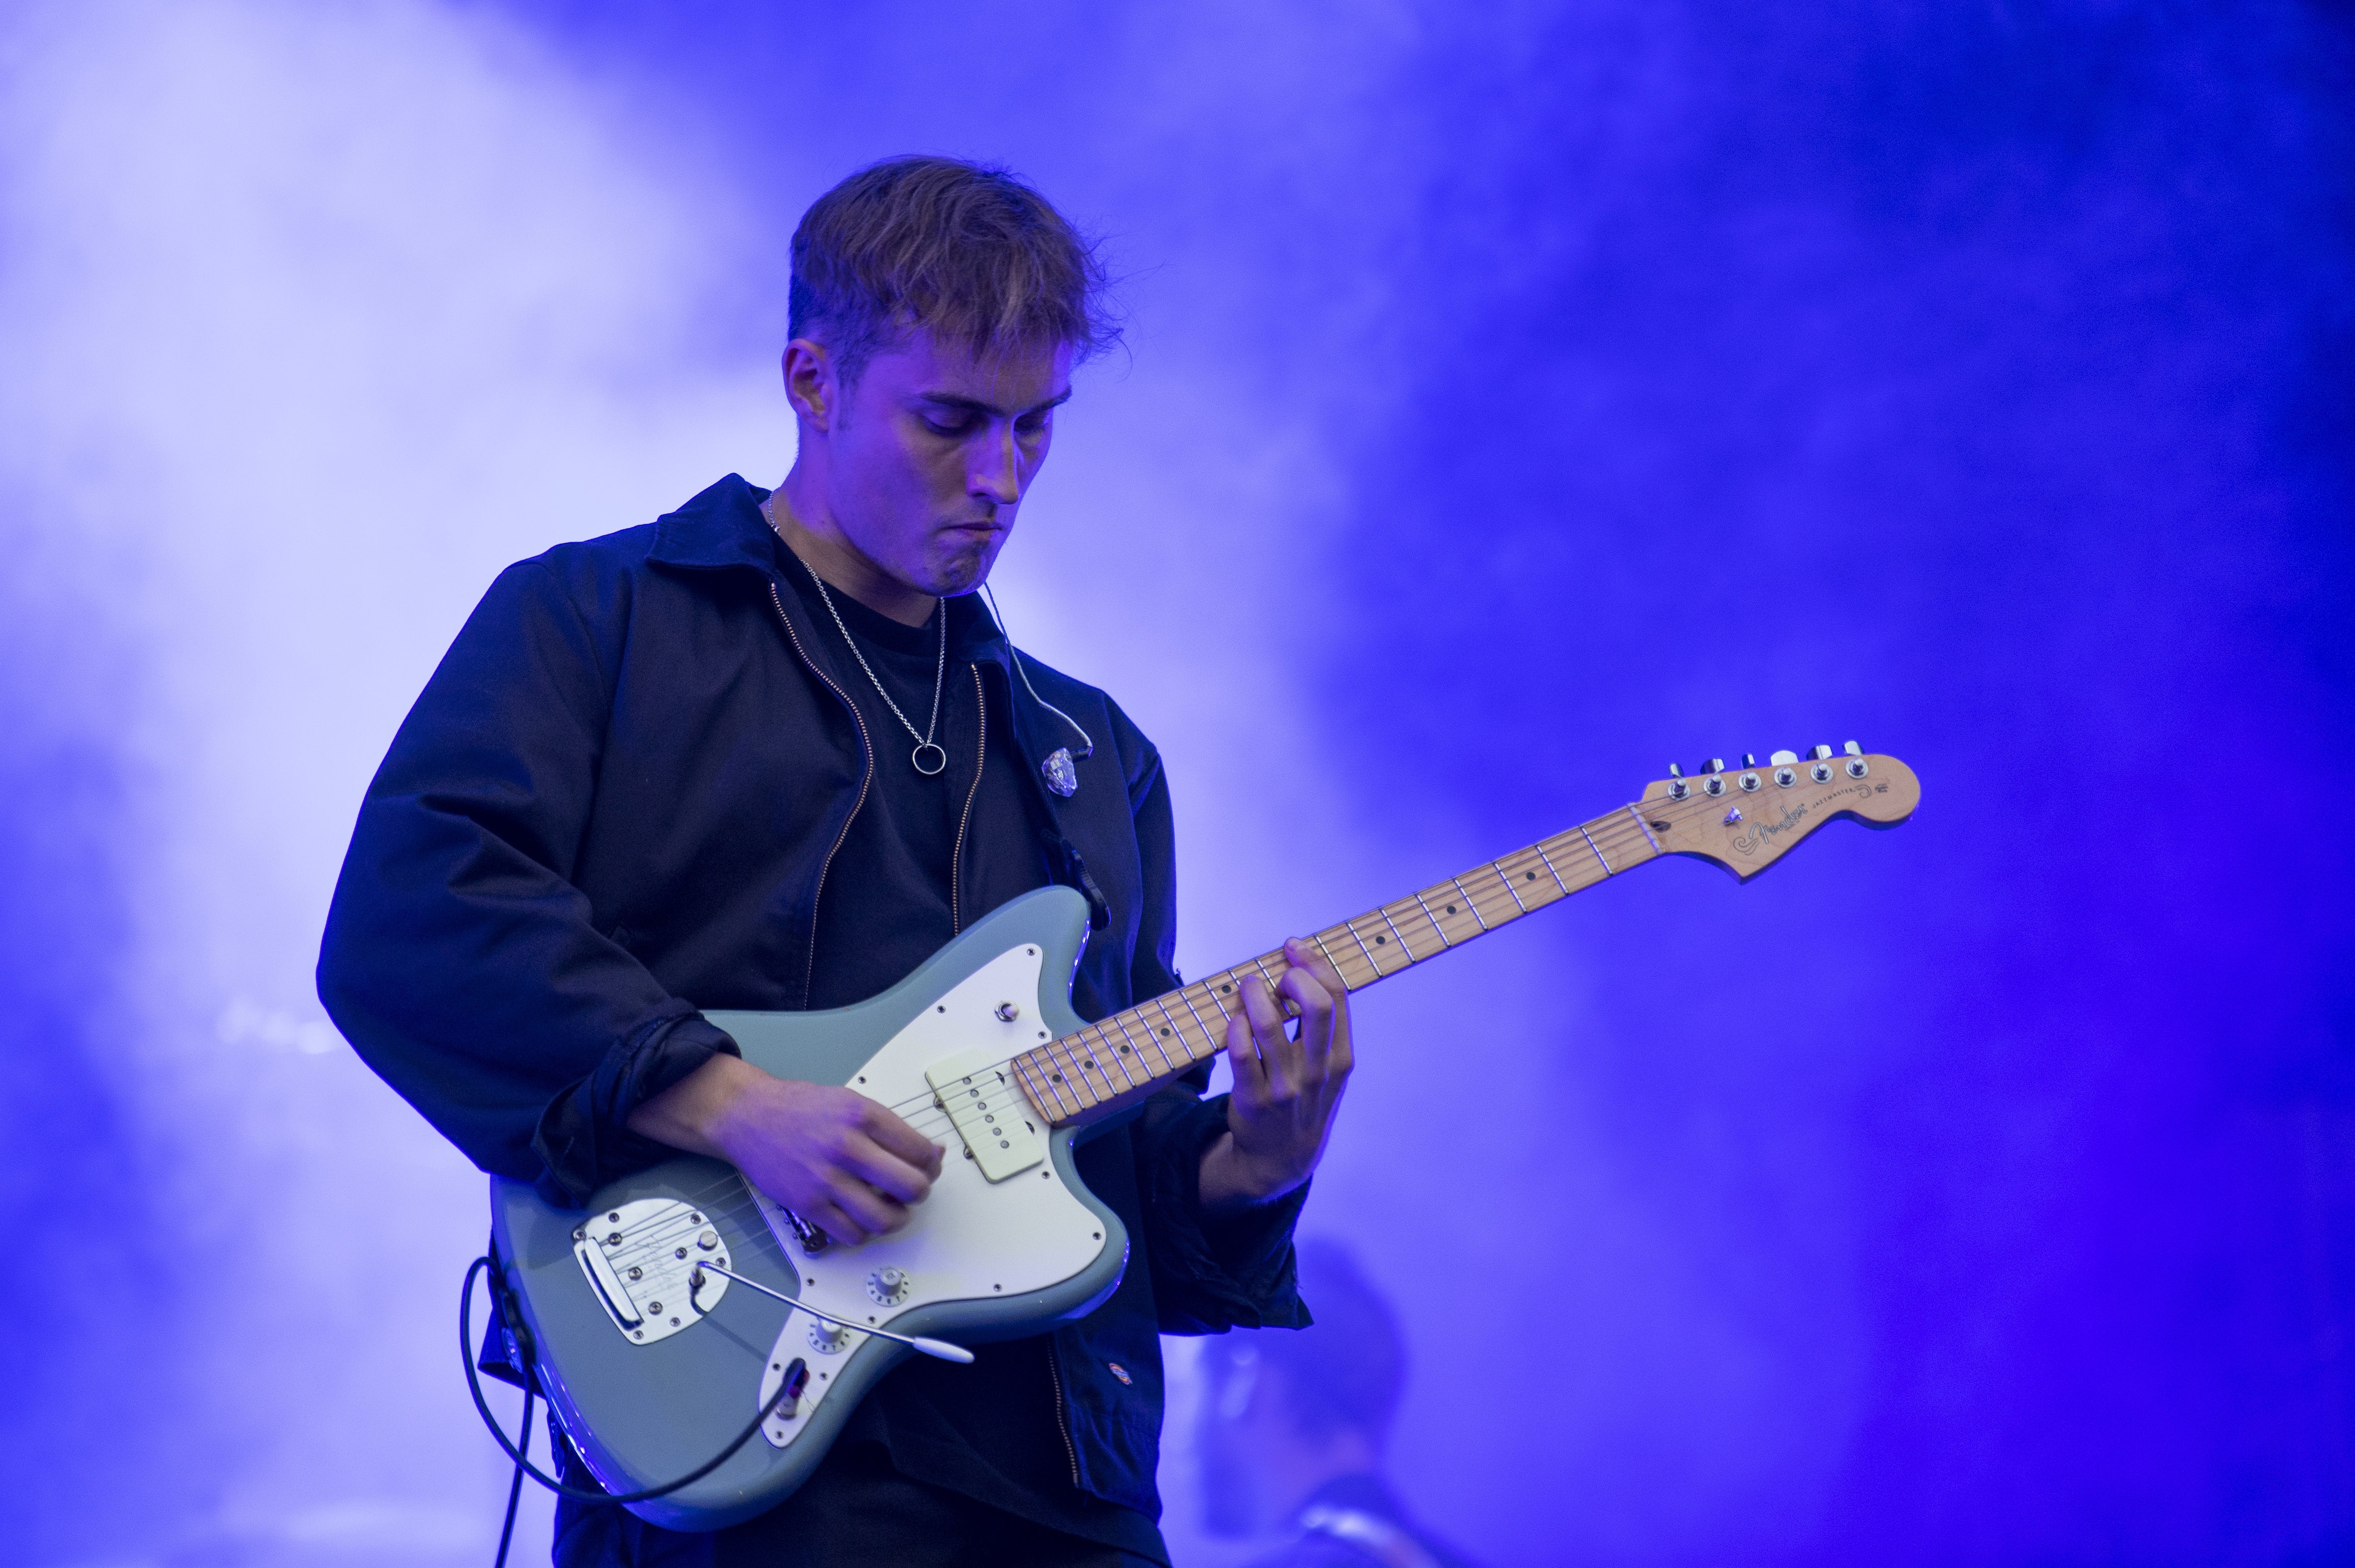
(965, 252)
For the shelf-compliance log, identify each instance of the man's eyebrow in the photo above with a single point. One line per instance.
(958, 400)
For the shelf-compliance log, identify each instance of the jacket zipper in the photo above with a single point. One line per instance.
(956, 856)
(867, 749)
(866, 752)
(1062, 1420)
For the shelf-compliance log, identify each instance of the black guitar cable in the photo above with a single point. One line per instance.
(527, 1353)
(515, 1485)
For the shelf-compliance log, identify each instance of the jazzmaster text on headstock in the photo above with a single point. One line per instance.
(1789, 817)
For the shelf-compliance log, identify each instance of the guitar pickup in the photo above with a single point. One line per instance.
(976, 1089)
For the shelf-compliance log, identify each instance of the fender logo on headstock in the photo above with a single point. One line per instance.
(1745, 832)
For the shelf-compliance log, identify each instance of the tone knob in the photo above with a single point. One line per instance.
(888, 1284)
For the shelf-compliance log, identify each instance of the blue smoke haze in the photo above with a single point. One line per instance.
(1513, 398)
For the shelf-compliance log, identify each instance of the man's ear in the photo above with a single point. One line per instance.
(811, 384)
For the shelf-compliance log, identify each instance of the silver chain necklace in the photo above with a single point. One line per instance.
(938, 756)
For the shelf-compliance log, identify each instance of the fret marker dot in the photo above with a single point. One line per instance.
(1379, 940)
(1451, 909)
(1529, 876)
(1165, 1034)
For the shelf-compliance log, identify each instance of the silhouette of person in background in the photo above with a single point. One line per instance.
(1294, 1422)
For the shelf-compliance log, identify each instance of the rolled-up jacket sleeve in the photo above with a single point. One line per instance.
(459, 959)
(1213, 1272)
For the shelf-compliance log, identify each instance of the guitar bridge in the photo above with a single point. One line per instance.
(640, 1260)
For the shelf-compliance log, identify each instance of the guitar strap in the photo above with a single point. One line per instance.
(1073, 873)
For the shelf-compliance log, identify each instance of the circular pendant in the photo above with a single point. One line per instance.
(928, 759)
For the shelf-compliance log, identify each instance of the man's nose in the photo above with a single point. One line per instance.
(996, 468)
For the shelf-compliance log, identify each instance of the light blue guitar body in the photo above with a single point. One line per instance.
(653, 1365)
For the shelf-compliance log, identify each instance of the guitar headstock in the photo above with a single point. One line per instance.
(1746, 818)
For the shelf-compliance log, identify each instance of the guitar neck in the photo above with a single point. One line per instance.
(1109, 1066)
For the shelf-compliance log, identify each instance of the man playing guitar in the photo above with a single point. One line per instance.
(770, 752)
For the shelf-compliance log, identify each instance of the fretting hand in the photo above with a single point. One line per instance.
(1288, 1083)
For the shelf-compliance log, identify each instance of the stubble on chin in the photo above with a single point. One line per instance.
(961, 571)
(959, 575)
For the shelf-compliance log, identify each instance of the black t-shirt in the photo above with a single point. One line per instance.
(899, 887)
(885, 904)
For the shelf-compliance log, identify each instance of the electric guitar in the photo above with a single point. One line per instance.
(682, 1302)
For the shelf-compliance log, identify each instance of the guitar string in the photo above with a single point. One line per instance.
(1076, 1052)
(933, 1122)
(1617, 833)
(1618, 836)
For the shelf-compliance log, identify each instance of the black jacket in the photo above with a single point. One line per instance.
(615, 803)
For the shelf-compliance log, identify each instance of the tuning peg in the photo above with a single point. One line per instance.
(1784, 759)
(1716, 765)
(1818, 753)
(1675, 772)
(1749, 759)
(1852, 749)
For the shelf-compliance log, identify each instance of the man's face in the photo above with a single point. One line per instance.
(931, 453)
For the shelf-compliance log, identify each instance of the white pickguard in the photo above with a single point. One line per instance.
(971, 1239)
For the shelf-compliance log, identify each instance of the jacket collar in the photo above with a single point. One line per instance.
(722, 530)
(720, 527)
